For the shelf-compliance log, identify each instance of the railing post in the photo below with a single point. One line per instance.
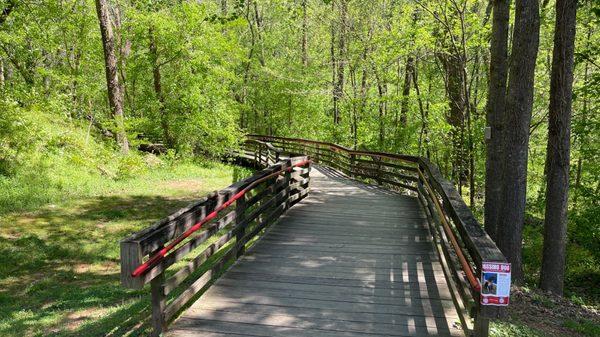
(255, 155)
(481, 327)
(159, 324)
(288, 182)
(352, 164)
(378, 170)
(260, 154)
(240, 208)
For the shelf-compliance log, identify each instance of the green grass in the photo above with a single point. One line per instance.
(59, 263)
(584, 326)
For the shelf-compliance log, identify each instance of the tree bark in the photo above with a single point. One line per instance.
(115, 95)
(333, 70)
(304, 35)
(454, 65)
(1, 73)
(382, 106)
(408, 74)
(424, 134)
(519, 103)
(164, 118)
(224, 7)
(341, 60)
(558, 150)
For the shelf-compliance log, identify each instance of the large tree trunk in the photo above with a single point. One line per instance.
(557, 157)
(454, 65)
(115, 95)
(519, 103)
(495, 116)
(164, 118)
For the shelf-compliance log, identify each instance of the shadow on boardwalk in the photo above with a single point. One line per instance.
(350, 260)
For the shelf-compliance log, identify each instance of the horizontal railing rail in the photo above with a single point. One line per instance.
(259, 152)
(183, 253)
(460, 240)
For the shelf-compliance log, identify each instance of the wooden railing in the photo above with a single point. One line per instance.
(461, 242)
(237, 214)
(259, 152)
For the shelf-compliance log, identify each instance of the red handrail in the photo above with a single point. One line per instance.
(160, 255)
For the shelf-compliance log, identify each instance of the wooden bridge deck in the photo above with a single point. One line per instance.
(350, 260)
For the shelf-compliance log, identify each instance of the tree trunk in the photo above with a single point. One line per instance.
(333, 71)
(115, 95)
(224, 7)
(408, 74)
(519, 103)
(341, 60)
(164, 118)
(454, 65)
(558, 150)
(424, 134)
(584, 118)
(304, 35)
(382, 92)
(1, 73)
(495, 115)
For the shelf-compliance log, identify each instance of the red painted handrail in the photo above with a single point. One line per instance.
(466, 266)
(160, 255)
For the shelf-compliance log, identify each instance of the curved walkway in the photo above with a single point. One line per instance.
(350, 260)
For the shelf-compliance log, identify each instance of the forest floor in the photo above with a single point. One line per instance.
(533, 313)
(59, 264)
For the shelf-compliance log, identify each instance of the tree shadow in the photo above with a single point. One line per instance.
(59, 268)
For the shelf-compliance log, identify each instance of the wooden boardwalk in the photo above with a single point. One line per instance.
(350, 260)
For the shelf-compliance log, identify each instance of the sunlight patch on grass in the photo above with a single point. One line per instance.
(59, 264)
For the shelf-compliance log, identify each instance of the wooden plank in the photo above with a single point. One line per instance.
(418, 307)
(358, 294)
(255, 329)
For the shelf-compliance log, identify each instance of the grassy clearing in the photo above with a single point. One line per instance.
(59, 263)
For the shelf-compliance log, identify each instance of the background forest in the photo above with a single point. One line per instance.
(401, 76)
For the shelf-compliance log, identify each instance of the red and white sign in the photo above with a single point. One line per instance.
(495, 283)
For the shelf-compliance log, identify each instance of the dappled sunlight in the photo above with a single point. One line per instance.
(59, 265)
(331, 266)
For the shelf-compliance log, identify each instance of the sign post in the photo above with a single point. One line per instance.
(495, 283)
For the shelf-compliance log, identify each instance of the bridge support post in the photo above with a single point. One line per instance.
(352, 164)
(240, 208)
(288, 181)
(481, 327)
(159, 325)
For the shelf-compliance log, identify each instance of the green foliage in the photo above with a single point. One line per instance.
(130, 166)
